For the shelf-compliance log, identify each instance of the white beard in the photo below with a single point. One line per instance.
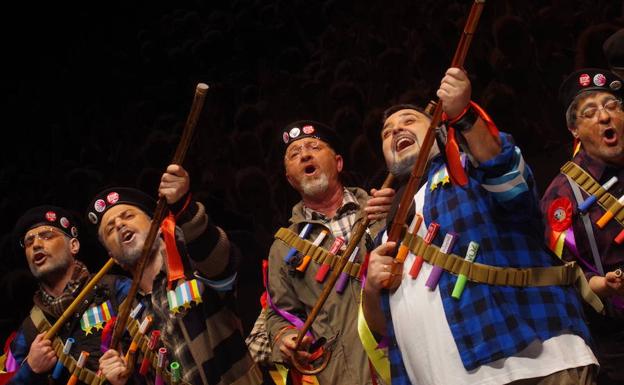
(314, 186)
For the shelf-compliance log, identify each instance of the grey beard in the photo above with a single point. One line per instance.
(402, 167)
(315, 186)
(54, 271)
(130, 256)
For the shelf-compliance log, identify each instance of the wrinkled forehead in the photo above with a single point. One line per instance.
(38, 228)
(592, 97)
(117, 210)
(402, 114)
(305, 139)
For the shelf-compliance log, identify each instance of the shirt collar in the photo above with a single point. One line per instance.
(349, 204)
(595, 167)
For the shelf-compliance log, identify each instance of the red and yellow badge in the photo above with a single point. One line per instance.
(560, 214)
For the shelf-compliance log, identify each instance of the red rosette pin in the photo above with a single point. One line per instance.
(560, 214)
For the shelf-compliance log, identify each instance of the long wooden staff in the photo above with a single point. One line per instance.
(357, 235)
(200, 93)
(405, 203)
(396, 230)
(159, 214)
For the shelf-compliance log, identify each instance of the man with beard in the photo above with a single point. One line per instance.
(187, 286)
(327, 210)
(507, 317)
(49, 236)
(577, 209)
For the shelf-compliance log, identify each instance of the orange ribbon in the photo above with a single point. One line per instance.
(455, 167)
(175, 269)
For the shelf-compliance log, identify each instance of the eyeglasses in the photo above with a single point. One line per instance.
(611, 105)
(295, 150)
(44, 235)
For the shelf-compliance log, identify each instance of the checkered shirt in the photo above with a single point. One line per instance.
(499, 210)
(258, 341)
(342, 223)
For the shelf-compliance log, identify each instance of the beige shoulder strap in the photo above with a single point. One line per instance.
(591, 187)
(318, 254)
(42, 324)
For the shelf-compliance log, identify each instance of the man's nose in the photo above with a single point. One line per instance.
(118, 222)
(603, 115)
(306, 154)
(37, 243)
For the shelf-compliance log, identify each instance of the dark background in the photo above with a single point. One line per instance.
(96, 94)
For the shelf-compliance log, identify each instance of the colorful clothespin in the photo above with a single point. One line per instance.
(436, 271)
(303, 234)
(58, 368)
(321, 274)
(151, 346)
(586, 204)
(160, 366)
(602, 222)
(145, 324)
(306, 260)
(82, 360)
(471, 254)
(432, 231)
(412, 229)
(175, 372)
(344, 276)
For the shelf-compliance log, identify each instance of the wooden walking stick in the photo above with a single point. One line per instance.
(405, 203)
(191, 122)
(357, 235)
(398, 224)
(159, 214)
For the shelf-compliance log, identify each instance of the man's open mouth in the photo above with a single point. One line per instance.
(309, 169)
(403, 142)
(39, 258)
(127, 236)
(609, 136)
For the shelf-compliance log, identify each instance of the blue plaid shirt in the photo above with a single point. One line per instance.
(499, 210)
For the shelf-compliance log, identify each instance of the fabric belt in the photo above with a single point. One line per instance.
(568, 274)
(318, 254)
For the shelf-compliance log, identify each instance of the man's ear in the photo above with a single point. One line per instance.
(574, 132)
(339, 163)
(74, 246)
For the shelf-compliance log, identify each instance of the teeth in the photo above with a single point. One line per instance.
(403, 143)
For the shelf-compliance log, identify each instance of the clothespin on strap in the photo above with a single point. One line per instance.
(608, 215)
(303, 235)
(82, 360)
(58, 368)
(321, 274)
(432, 231)
(471, 254)
(151, 346)
(306, 260)
(412, 229)
(160, 366)
(344, 276)
(175, 372)
(436, 271)
(587, 203)
(130, 354)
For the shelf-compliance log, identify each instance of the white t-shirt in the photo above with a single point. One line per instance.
(429, 351)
